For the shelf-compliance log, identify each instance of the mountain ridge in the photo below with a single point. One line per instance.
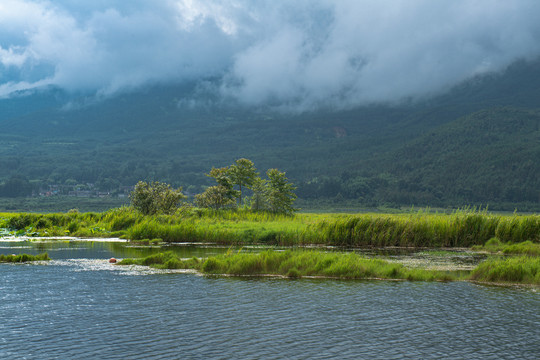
(379, 154)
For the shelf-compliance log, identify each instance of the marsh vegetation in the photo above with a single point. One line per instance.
(494, 245)
(518, 269)
(20, 258)
(514, 237)
(341, 265)
(243, 226)
(293, 264)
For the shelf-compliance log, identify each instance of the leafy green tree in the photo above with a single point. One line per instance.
(223, 178)
(260, 194)
(279, 192)
(214, 197)
(242, 173)
(221, 175)
(275, 194)
(155, 198)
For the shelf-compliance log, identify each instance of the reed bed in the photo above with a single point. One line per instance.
(293, 264)
(521, 269)
(494, 245)
(23, 258)
(310, 263)
(464, 228)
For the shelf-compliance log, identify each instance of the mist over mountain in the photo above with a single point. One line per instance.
(477, 144)
(361, 103)
(294, 55)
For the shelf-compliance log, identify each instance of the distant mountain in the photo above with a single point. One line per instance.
(476, 144)
(490, 156)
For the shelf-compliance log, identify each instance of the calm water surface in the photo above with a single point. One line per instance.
(80, 307)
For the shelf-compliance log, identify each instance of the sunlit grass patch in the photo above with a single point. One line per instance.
(524, 248)
(494, 245)
(23, 258)
(241, 226)
(295, 264)
(519, 269)
(165, 260)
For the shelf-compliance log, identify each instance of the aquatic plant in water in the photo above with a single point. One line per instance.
(23, 258)
(519, 269)
(293, 264)
(494, 245)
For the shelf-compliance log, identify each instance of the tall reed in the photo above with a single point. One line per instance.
(463, 228)
(294, 264)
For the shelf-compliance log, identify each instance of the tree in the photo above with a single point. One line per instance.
(221, 175)
(214, 197)
(275, 194)
(155, 198)
(243, 173)
(260, 196)
(280, 192)
(223, 178)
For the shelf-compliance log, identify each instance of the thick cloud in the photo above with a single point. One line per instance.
(293, 54)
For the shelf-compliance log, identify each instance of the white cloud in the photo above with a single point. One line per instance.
(14, 56)
(300, 54)
(385, 51)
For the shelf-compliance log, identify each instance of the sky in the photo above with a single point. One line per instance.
(296, 54)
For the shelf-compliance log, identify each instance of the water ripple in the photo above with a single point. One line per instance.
(90, 309)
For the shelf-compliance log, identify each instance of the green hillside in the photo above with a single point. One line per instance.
(491, 156)
(477, 144)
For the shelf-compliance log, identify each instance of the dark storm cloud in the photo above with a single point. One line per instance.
(292, 54)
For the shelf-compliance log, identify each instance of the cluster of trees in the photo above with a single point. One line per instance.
(233, 184)
(155, 197)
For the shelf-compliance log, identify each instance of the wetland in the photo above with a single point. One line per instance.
(78, 305)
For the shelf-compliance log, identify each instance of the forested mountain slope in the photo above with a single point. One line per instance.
(490, 156)
(477, 144)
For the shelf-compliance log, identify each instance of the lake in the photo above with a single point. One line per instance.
(78, 306)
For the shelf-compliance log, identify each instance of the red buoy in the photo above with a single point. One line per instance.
(112, 260)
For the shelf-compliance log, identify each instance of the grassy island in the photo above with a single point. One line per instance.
(23, 258)
(519, 269)
(293, 264)
(310, 263)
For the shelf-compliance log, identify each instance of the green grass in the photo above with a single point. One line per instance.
(494, 245)
(419, 229)
(308, 263)
(520, 269)
(23, 258)
(293, 264)
(165, 260)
